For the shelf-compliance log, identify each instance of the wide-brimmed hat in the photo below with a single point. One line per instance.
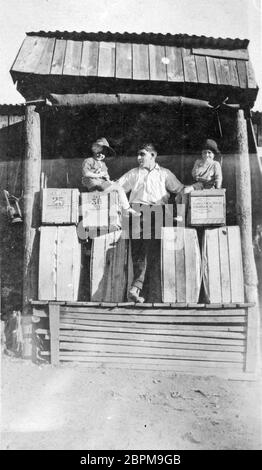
(104, 143)
(210, 144)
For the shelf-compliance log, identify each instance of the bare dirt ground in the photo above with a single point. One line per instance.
(74, 407)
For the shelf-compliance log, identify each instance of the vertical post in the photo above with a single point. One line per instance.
(244, 208)
(31, 209)
(244, 217)
(252, 340)
(54, 318)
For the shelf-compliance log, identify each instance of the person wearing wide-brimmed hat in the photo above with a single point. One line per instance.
(95, 174)
(207, 172)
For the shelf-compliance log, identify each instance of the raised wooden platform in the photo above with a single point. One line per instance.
(202, 338)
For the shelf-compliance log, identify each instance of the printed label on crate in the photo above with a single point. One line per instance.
(56, 200)
(210, 208)
(59, 206)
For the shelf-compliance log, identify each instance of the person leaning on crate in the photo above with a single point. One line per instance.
(95, 174)
(207, 173)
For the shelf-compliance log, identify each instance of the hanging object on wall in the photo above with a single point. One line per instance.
(13, 209)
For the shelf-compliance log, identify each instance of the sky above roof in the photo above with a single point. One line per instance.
(217, 18)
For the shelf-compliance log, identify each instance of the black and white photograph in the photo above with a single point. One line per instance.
(130, 228)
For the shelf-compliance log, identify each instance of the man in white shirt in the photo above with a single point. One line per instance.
(150, 184)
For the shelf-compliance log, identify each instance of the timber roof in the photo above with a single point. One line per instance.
(79, 62)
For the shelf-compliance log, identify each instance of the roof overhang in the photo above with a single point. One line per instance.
(169, 65)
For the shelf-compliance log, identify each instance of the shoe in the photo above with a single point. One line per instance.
(133, 295)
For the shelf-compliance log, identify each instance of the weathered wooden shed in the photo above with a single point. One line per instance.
(177, 90)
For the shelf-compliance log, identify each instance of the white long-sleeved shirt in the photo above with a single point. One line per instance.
(150, 186)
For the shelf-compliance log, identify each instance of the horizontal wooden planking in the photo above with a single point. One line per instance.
(125, 359)
(140, 326)
(154, 345)
(143, 336)
(226, 370)
(153, 327)
(222, 53)
(148, 312)
(166, 319)
(151, 352)
(42, 331)
(162, 305)
(232, 372)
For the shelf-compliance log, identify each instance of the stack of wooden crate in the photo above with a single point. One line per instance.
(180, 265)
(101, 218)
(222, 265)
(111, 268)
(101, 212)
(60, 250)
(218, 263)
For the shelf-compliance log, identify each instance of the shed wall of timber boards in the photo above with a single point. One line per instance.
(204, 339)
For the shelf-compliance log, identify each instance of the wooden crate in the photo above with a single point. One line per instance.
(207, 207)
(100, 210)
(60, 206)
(109, 268)
(59, 263)
(222, 265)
(180, 265)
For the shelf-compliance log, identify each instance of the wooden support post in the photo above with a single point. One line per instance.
(244, 217)
(244, 208)
(31, 209)
(54, 317)
(252, 344)
(26, 324)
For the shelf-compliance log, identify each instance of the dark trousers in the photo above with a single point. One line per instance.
(140, 249)
(146, 267)
(146, 262)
